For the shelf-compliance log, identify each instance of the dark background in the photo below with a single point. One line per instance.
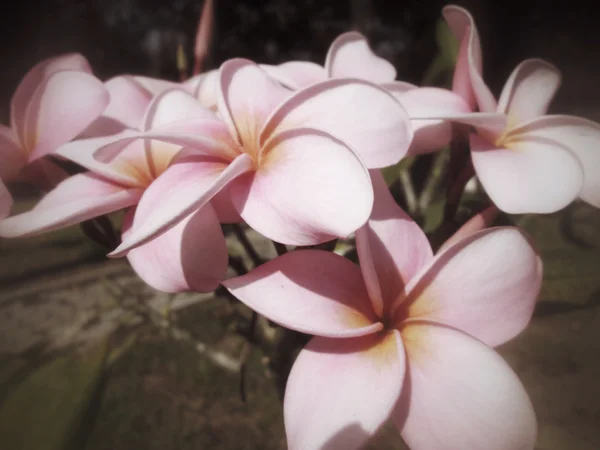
(141, 36)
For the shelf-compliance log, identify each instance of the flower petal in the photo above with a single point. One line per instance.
(155, 85)
(206, 89)
(187, 185)
(246, 96)
(363, 115)
(468, 82)
(12, 157)
(529, 91)
(6, 201)
(43, 174)
(485, 285)
(224, 207)
(340, 391)
(61, 108)
(582, 138)
(391, 248)
(460, 394)
(129, 101)
(30, 82)
(175, 105)
(431, 135)
(311, 291)
(310, 188)
(351, 56)
(78, 198)
(191, 256)
(532, 176)
(296, 74)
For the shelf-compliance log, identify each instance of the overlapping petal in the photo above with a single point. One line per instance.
(61, 108)
(534, 175)
(78, 198)
(310, 188)
(12, 157)
(6, 201)
(391, 247)
(296, 74)
(351, 56)
(311, 291)
(529, 91)
(460, 394)
(340, 391)
(485, 285)
(187, 185)
(363, 115)
(246, 97)
(191, 256)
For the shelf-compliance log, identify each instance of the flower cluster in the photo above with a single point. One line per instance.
(294, 151)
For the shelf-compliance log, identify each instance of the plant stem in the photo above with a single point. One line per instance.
(248, 247)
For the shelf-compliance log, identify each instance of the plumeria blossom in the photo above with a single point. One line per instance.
(351, 56)
(291, 164)
(407, 335)
(173, 262)
(528, 162)
(42, 119)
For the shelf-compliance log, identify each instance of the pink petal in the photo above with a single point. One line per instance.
(225, 208)
(187, 185)
(529, 91)
(492, 125)
(340, 391)
(246, 96)
(366, 117)
(31, 81)
(581, 137)
(78, 198)
(468, 82)
(485, 285)
(175, 105)
(351, 56)
(206, 89)
(460, 394)
(129, 101)
(191, 256)
(310, 188)
(311, 291)
(431, 135)
(155, 85)
(476, 223)
(296, 74)
(398, 87)
(43, 174)
(12, 157)
(391, 248)
(61, 108)
(6, 201)
(532, 176)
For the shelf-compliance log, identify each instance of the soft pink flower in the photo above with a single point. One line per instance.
(291, 164)
(351, 56)
(407, 336)
(527, 161)
(54, 102)
(190, 256)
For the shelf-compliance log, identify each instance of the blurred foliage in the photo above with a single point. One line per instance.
(49, 407)
(442, 67)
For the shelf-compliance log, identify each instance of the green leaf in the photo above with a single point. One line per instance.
(569, 244)
(45, 411)
(442, 66)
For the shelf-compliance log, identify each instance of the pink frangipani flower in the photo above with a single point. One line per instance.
(351, 56)
(406, 336)
(527, 161)
(54, 102)
(190, 256)
(291, 164)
